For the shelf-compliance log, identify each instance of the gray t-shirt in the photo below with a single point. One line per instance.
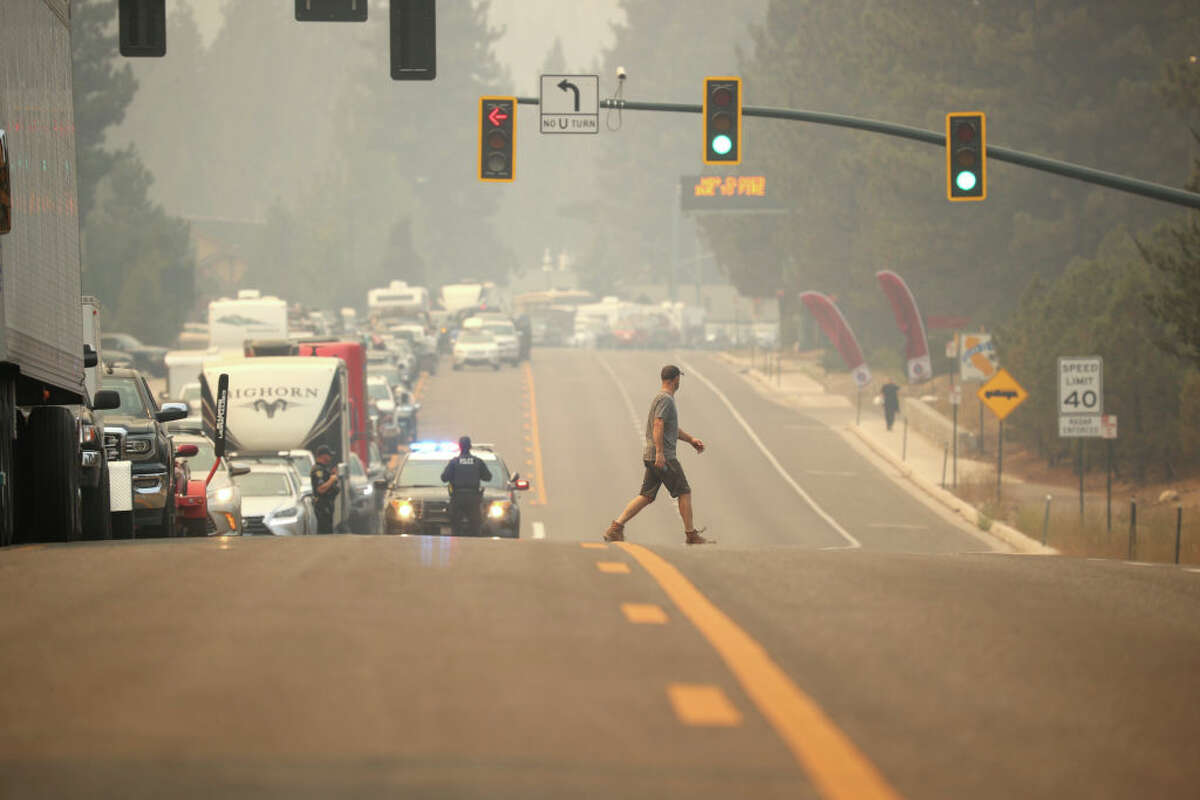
(662, 406)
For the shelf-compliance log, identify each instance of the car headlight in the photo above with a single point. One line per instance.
(286, 513)
(139, 446)
(403, 509)
(224, 495)
(498, 509)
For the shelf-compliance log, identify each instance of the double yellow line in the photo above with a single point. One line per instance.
(535, 438)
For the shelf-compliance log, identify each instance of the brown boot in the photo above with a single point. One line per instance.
(615, 532)
(694, 537)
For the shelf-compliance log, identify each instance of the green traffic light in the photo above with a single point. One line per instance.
(722, 144)
(965, 180)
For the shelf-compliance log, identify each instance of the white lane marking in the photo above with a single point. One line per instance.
(831, 472)
(637, 429)
(1190, 569)
(904, 525)
(1141, 564)
(539, 530)
(852, 543)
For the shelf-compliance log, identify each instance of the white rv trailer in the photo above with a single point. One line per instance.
(231, 321)
(281, 403)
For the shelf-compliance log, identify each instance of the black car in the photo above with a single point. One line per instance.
(418, 502)
(134, 432)
(147, 358)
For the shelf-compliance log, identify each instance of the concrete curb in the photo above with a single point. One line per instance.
(964, 510)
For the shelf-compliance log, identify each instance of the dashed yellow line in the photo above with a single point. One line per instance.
(703, 705)
(644, 613)
(613, 567)
(838, 769)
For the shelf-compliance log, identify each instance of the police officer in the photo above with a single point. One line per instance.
(466, 475)
(325, 488)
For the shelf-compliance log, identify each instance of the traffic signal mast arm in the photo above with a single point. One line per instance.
(1156, 191)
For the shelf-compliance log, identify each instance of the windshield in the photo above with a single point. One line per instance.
(131, 397)
(500, 328)
(264, 484)
(303, 462)
(429, 473)
(379, 391)
(474, 337)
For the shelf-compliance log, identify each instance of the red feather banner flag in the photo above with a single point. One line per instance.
(839, 334)
(908, 320)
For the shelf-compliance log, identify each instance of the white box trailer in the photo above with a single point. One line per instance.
(41, 336)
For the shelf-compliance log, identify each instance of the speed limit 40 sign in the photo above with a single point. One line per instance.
(1080, 385)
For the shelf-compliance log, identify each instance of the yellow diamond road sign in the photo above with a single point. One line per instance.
(1002, 394)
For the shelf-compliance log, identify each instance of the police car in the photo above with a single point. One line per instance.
(418, 502)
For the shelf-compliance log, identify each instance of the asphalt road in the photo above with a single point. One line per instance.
(842, 639)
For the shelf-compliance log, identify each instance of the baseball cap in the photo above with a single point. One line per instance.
(324, 450)
(670, 372)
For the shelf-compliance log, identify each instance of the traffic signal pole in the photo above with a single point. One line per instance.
(1111, 180)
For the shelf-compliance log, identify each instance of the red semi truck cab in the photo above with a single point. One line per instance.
(354, 356)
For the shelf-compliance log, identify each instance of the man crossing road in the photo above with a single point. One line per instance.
(662, 468)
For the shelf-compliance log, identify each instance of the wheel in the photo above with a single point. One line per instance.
(167, 526)
(53, 494)
(122, 524)
(97, 513)
(8, 412)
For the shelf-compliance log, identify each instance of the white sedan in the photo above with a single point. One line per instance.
(275, 502)
(476, 348)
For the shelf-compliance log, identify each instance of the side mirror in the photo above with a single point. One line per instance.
(106, 400)
(521, 485)
(90, 357)
(5, 187)
(171, 411)
(186, 451)
(306, 493)
(237, 472)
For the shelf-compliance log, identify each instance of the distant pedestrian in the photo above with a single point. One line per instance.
(662, 468)
(891, 401)
(325, 487)
(466, 475)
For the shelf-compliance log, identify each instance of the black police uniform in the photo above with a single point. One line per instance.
(465, 475)
(323, 504)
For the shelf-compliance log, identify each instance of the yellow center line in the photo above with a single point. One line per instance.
(838, 769)
(536, 439)
(613, 567)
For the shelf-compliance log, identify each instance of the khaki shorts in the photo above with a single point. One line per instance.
(671, 476)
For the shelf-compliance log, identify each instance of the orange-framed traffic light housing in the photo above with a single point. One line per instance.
(966, 156)
(722, 120)
(497, 139)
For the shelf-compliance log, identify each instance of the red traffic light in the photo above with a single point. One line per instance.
(721, 96)
(964, 132)
(497, 137)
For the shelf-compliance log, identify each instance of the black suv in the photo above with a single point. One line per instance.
(418, 502)
(134, 431)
